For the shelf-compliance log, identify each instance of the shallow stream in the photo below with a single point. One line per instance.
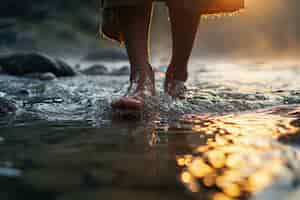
(236, 136)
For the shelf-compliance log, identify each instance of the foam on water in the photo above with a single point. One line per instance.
(213, 88)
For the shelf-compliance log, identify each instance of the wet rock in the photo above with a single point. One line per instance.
(95, 70)
(42, 76)
(123, 71)
(47, 76)
(6, 107)
(28, 63)
(106, 55)
(66, 69)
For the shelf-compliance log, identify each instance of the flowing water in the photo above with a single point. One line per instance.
(235, 136)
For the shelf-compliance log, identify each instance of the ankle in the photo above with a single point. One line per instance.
(177, 73)
(181, 76)
(139, 72)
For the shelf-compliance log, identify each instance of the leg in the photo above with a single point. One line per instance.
(184, 29)
(135, 22)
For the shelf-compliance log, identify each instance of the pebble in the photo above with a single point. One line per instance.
(47, 76)
(95, 70)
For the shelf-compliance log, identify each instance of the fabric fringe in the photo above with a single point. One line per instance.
(115, 35)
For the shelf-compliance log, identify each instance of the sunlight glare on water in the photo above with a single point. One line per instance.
(241, 156)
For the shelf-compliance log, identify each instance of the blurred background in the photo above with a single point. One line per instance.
(268, 29)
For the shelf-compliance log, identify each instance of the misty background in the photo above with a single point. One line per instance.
(268, 29)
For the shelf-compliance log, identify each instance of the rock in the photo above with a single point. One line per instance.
(95, 70)
(121, 72)
(20, 64)
(65, 69)
(47, 76)
(42, 76)
(7, 107)
(106, 55)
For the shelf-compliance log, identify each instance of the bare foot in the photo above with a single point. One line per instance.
(141, 87)
(174, 84)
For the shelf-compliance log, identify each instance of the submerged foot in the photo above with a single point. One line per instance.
(175, 88)
(141, 87)
(174, 84)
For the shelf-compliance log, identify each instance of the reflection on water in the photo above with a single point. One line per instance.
(63, 139)
(216, 157)
(240, 156)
